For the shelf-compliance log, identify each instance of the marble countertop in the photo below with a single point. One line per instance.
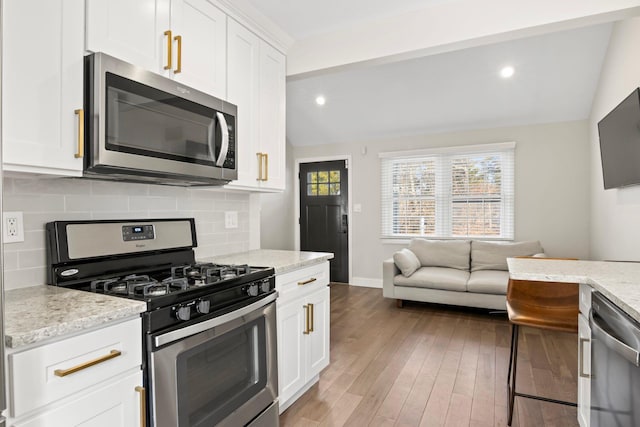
(618, 281)
(38, 313)
(281, 261)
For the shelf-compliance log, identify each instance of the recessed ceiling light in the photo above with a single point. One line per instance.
(507, 72)
(320, 100)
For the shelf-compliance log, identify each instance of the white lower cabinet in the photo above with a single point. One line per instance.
(584, 357)
(91, 379)
(303, 330)
(118, 403)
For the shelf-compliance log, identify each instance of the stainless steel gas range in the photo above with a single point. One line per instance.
(209, 331)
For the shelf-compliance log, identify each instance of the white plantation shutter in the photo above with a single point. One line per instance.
(453, 192)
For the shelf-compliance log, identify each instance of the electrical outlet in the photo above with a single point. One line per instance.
(231, 219)
(12, 227)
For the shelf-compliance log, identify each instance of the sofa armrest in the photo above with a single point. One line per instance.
(389, 271)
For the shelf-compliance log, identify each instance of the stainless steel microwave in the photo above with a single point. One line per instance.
(144, 127)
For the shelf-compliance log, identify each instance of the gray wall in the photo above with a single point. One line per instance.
(552, 191)
(615, 227)
(277, 213)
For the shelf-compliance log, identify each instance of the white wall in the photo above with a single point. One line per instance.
(45, 200)
(615, 213)
(552, 191)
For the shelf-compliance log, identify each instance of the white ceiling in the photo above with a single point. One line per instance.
(304, 18)
(555, 79)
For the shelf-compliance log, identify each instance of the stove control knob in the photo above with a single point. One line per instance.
(265, 286)
(252, 290)
(183, 313)
(203, 306)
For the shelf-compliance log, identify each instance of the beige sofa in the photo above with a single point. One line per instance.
(458, 272)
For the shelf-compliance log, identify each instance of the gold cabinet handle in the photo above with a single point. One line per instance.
(306, 282)
(85, 365)
(306, 320)
(259, 166)
(581, 369)
(169, 53)
(311, 316)
(143, 405)
(266, 167)
(178, 39)
(80, 153)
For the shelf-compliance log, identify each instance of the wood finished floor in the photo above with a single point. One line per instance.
(429, 365)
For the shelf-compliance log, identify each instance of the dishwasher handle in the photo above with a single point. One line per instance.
(629, 353)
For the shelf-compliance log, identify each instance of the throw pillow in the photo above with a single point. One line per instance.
(406, 261)
(442, 253)
(493, 255)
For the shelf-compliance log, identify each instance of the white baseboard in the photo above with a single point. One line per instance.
(366, 282)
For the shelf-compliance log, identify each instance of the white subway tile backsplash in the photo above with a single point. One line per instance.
(32, 259)
(115, 188)
(45, 199)
(10, 260)
(33, 203)
(96, 203)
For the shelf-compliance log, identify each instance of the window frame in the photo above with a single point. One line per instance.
(444, 196)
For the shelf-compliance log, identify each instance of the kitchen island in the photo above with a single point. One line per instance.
(618, 281)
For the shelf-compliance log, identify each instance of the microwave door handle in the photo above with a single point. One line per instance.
(225, 139)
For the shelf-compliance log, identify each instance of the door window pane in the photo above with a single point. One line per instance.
(323, 189)
(312, 189)
(312, 177)
(334, 189)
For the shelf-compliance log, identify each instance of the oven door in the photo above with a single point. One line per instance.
(222, 371)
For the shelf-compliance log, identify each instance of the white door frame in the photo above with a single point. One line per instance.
(296, 198)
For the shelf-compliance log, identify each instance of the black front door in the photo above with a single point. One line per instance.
(324, 221)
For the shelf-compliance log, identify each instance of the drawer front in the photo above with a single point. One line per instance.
(44, 374)
(116, 403)
(302, 281)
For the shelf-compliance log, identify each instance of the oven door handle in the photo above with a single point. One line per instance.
(188, 331)
(629, 353)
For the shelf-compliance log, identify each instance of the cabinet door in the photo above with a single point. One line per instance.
(203, 52)
(243, 91)
(114, 404)
(273, 115)
(132, 31)
(291, 349)
(42, 85)
(584, 371)
(318, 350)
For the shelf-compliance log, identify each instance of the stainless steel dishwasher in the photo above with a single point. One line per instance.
(615, 365)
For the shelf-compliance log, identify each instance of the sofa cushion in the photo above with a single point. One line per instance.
(406, 261)
(442, 253)
(448, 279)
(488, 282)
(493, 255)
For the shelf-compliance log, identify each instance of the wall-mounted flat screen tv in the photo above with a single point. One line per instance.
(620, 143)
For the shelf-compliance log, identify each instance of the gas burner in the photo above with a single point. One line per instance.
(203, 274)
(111, 285)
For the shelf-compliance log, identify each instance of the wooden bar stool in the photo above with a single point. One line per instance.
(543, 305)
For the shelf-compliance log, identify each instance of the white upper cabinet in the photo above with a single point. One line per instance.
(243, 91)
(42, 86)
(130, 30)
(256, 84)
(201, 54)
(273, 115)
(181, 39)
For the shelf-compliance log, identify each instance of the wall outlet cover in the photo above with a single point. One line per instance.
(231, 219)
(12, 227)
